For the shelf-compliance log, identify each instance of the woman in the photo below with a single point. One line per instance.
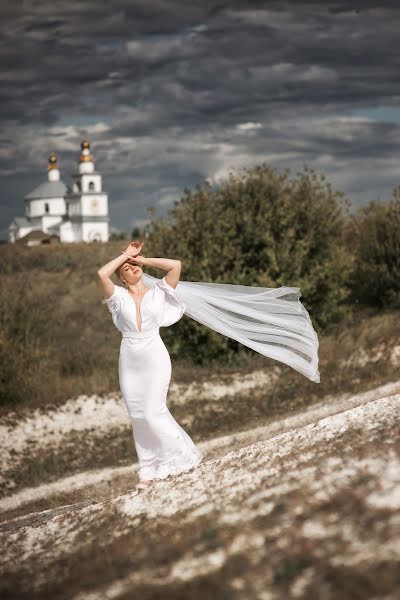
(162, 446)
(271, 321)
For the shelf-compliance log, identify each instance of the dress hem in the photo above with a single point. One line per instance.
(165, 471)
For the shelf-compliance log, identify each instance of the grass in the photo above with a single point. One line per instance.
(57, 339)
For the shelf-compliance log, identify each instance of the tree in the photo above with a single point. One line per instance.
(376, 229)
(121, 235)
(260, 228)
(136, 233)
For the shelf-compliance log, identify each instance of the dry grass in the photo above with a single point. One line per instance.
(57, 340)
(363, 354)
(311, 512)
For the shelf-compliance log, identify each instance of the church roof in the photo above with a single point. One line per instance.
(48, 189)
(36, 234)
(21, 222)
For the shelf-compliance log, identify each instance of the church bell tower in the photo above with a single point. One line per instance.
(87, 202)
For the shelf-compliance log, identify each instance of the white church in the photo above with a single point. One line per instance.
(75, 213)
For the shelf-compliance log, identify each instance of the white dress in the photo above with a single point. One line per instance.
(162, 446)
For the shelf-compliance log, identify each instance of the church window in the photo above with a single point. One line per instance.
(91, 185)
(46, 207)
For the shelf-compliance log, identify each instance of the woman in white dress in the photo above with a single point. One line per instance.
(163, 448)
(271, 321)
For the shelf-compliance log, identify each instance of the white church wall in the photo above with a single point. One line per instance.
(86, 167)
(94, 205)
(49, 221)
(91, 183)
(74, 208)
(95, 231)
(23, 231)
(37, 208)
(70, 232)
(36, 223)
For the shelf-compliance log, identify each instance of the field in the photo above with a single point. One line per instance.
(298, 494)
(307, 506)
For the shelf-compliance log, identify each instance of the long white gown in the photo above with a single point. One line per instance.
(162, 446)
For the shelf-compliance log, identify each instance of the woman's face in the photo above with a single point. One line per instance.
(130, 273)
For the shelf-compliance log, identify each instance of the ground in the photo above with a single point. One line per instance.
(305, 505)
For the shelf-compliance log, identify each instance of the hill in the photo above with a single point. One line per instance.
(306, 507)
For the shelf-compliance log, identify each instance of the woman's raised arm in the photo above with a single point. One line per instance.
(171, 265)
(105, 272)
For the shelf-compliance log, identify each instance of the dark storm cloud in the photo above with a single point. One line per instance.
(172, 93)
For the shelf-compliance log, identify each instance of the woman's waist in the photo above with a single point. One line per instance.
(141, 334)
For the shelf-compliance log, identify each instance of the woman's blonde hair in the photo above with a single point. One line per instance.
(118, 271)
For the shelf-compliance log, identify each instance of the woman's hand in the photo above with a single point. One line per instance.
(134, 248)
(137, 260)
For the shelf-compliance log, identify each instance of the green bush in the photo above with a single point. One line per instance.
(376, 244)
(259, 228)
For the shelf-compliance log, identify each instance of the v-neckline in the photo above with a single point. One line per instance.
(140, 305)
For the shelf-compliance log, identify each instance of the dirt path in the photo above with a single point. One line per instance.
(99, 483)
(307, 506)
(45, 444)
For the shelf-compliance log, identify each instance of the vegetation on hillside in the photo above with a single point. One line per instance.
(376, 237)
(259, 228)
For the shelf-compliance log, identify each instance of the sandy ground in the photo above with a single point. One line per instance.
(307, 506)
(27, 434)
(51, 429)
(84, 448)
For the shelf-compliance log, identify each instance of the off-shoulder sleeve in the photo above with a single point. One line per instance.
(114, 301)
(170, 306)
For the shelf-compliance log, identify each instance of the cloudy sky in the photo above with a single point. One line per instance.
(174, 92)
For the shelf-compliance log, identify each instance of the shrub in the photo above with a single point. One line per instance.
(376, 229)
(259, 228)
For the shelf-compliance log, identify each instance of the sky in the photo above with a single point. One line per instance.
(173, 93)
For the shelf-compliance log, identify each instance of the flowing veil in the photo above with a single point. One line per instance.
(271, 321)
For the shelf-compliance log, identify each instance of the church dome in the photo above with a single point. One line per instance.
(53, 187)
(85, 154)
(52, 164)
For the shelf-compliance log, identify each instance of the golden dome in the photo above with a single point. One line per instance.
(52, 164)
(85, 154)
(86, 158)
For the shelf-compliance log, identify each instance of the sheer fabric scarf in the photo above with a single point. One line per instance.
(271, 321)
